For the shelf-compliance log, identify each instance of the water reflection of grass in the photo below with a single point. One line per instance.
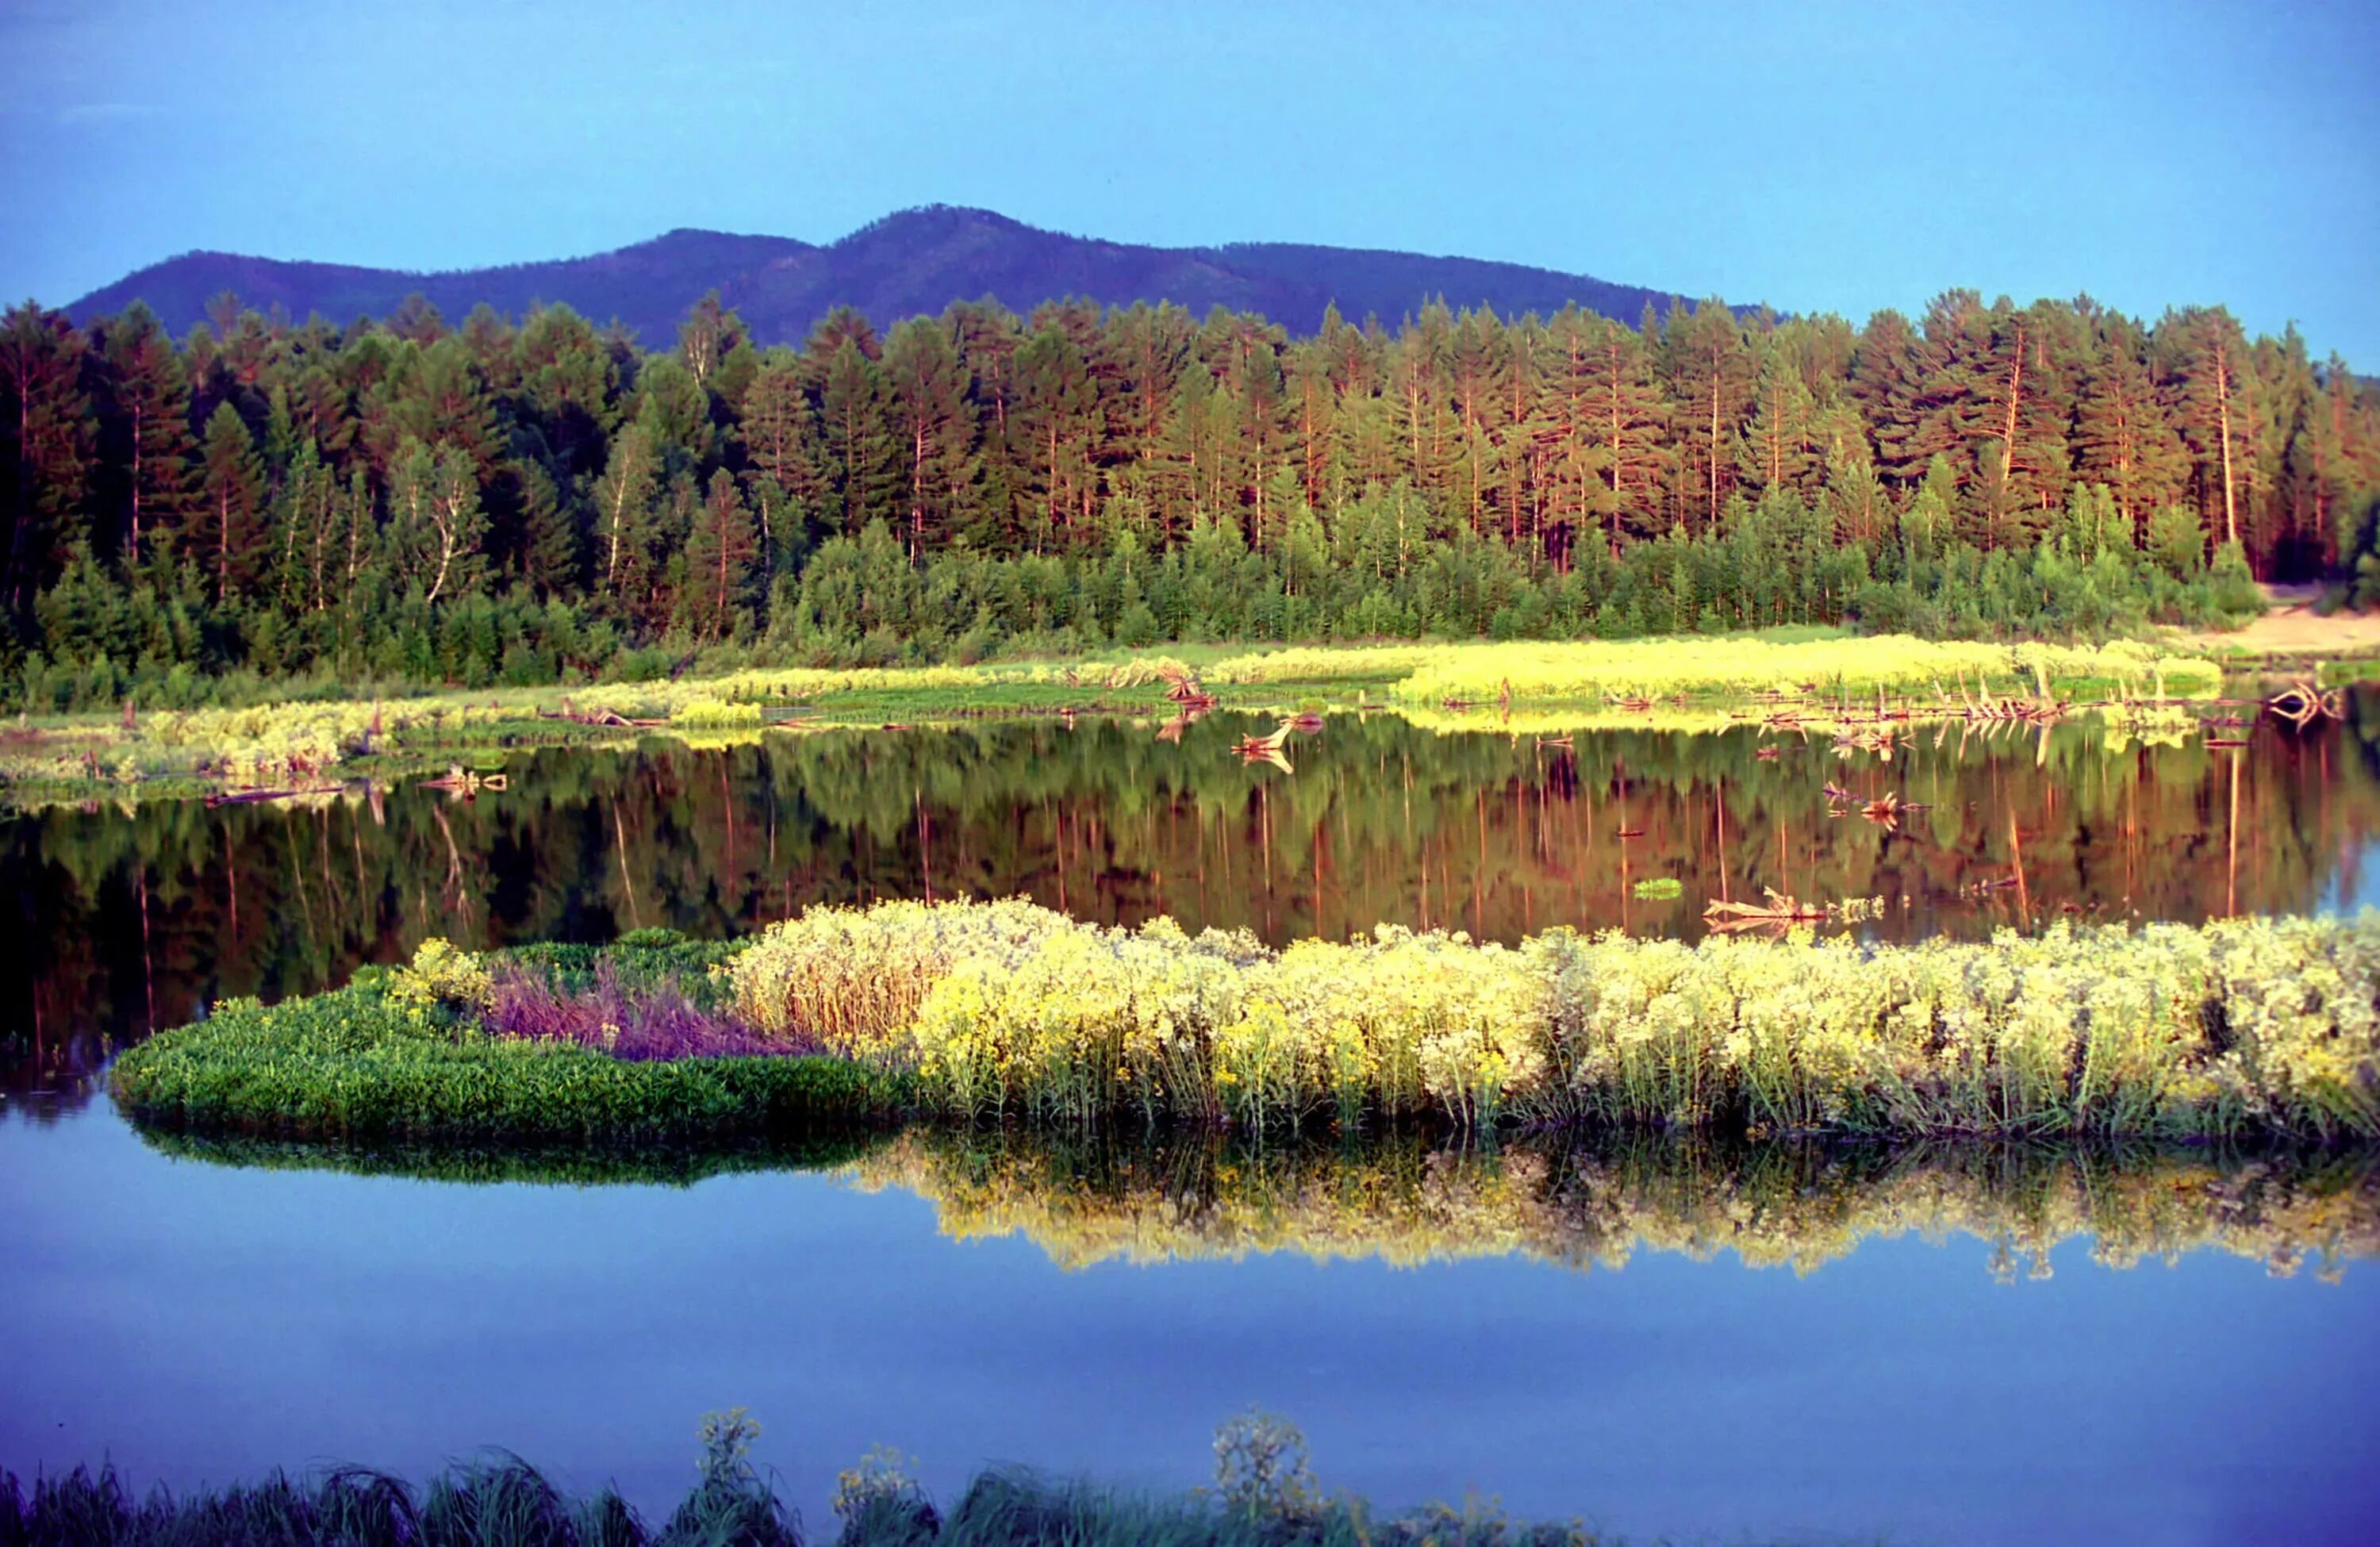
(666, 1166)
(1085, 1201)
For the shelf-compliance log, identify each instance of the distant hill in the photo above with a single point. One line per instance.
(916, 261)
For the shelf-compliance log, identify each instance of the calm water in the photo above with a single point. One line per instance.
(1950, 1346)
(1629, 1340)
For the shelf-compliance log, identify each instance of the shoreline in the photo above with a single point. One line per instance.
(299, 748)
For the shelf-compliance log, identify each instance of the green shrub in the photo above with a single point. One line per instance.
(364, 1065)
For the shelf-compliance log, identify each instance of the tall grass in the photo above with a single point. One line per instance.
(1006, 1008)
(1896, 663)
(1264, 1497)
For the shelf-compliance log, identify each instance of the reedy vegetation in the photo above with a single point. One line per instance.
(390, 1057)
(1265, 1494)
(1599, 1202)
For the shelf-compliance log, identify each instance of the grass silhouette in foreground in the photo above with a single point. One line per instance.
(1264, 1493)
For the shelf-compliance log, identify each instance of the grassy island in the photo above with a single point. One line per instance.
(1007, 1011)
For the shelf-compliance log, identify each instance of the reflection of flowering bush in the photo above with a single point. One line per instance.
(1597, 1203)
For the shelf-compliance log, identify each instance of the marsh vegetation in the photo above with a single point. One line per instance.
(988, 1012)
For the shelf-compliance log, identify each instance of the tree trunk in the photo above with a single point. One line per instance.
(2223, 405)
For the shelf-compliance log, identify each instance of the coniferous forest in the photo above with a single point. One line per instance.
(407, 500)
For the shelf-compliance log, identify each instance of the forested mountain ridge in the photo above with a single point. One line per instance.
(415, 500)
(915, 260)
(648, 285)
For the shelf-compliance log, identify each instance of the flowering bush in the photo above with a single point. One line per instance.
(1006, 1007)
(441, 974)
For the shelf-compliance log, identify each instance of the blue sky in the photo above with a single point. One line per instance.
(1833, 156)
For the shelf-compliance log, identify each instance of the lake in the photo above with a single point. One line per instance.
(1979, 1345)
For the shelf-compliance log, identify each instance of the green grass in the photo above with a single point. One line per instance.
(359, 1065)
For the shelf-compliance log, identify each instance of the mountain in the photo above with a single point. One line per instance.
(916, 261)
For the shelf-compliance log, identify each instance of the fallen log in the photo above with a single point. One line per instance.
(255, 797)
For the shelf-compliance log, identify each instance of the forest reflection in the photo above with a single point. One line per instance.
(128, 920)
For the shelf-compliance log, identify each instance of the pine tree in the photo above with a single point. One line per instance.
(707, 336)
(44, 419)
(1261, 435)
(2121, 436)
(1711, 382)
(719, 558)
(780, 433)
(552, 552)
(936, 429)
(1149, 346)
(855, 464)
(436, 523)
(624, 501)
(434, 395)
(145, 430)
(567, 386)
(2204, 356)
(1780, 449)
(1416, 397)
(1625, 411)
(675, 410)
(226, 531)
(1053, 419)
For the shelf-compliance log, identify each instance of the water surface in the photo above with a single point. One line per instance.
(1696, 1343)
(1979, 1346)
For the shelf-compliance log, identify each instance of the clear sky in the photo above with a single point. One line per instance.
(1835, 156)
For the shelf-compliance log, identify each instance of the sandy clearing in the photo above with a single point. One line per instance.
(2292, 629)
